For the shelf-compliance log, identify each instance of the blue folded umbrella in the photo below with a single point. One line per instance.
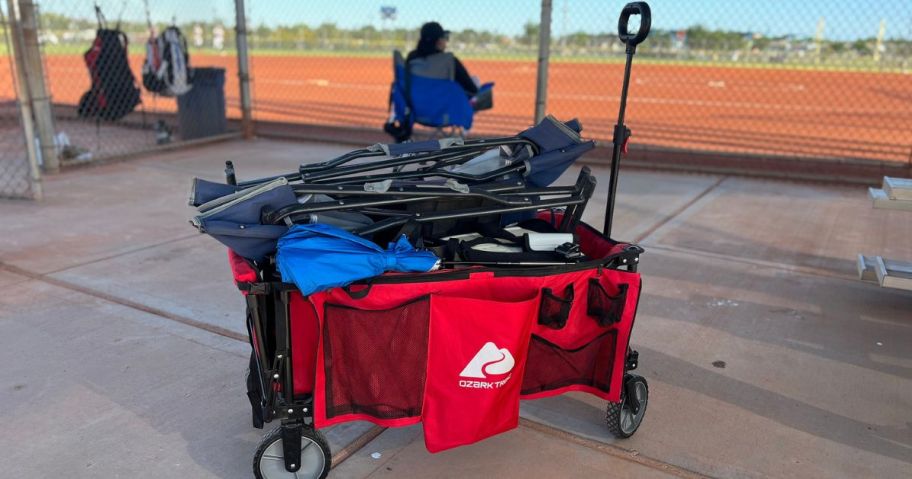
(317, 257)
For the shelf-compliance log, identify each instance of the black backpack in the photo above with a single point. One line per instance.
(113, 93)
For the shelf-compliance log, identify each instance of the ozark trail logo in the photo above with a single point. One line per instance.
(488, 361)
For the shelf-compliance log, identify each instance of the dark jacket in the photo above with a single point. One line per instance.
(460, 74)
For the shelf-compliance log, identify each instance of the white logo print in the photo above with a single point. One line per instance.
(489, 360)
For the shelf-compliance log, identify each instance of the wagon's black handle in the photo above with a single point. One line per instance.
(634, 8)
(621, 133)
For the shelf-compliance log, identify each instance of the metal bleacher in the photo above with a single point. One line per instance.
(895, 194)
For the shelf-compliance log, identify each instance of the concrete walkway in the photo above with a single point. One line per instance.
(123, 337)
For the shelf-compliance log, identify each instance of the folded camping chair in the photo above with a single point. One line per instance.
(425, 93)
(540, 154)
(457, 182)
(250, 221)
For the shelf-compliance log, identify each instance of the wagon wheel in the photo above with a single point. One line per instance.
(625, 417)
(269, 461)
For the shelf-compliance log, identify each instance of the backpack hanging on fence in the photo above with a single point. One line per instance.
(113, 93)
(166, 70)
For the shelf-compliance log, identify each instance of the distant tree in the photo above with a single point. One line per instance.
(530, 34)
(901, 48)
(579, 39)
(326, 32)
(55, 21)
(837, 47)
(701, 38)
(263, 31)
(468, 36)
(861, 47)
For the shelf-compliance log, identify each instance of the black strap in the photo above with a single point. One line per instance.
(413, 232)
(102, 22)
(264, 287)
(361, 293)
(254, 288)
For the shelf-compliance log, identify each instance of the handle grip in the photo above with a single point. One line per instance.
(635, 8)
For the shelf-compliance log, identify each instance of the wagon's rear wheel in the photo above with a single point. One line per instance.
(269, 460)
(625, 417)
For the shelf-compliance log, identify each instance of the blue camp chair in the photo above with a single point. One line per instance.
(426, 94)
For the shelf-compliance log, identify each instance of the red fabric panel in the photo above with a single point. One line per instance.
(242, 271)
(476, 359)
(579, 331)
(91, 59)
(304, 331)
(594, 245)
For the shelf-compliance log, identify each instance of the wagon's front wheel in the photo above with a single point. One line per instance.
(269, 460)
(625, 417)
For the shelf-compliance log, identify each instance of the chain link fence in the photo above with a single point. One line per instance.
(332, 66)
(17, 177)
(127, 118)
(788, 79)
(795, 79)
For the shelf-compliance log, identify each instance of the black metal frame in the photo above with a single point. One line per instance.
(576, 197)
(450, 156)
(620, 137)
(274, 371)
(621, 132)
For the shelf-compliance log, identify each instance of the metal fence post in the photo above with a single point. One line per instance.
(34, 75)
(240, 27)
(544, 52)
(25, 106)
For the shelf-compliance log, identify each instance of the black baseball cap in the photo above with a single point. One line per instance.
(432, 31)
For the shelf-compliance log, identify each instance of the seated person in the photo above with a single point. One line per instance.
(429, 58)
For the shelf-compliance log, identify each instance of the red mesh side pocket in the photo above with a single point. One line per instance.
(554, 310)
(550, 367)
(375, 360)
(606, 307)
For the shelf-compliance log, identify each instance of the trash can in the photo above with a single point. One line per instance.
(201, 111)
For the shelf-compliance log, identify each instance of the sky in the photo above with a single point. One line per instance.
(844, 19)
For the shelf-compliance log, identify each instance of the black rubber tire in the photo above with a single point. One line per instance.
(316, 437)
(615, 410)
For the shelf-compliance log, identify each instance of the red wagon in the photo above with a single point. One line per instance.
(454, 349)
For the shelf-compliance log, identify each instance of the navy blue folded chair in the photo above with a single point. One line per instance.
(203, 191)
(560, 145)
(237, 223)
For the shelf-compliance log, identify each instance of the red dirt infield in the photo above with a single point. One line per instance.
(834, 114)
